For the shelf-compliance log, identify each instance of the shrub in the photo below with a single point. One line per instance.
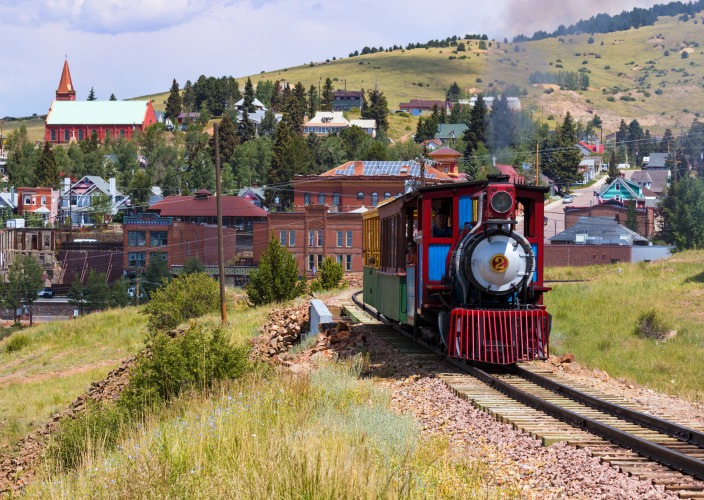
(186, 297)
(196, 359)
(611, 98)
(276, 278)
(331, 274)
(651, 325)
(17, 342)
(192, 266)
(607, 67)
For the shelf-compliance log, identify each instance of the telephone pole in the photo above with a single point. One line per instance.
(221, 248)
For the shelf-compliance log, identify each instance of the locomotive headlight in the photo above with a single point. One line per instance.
(501, 202)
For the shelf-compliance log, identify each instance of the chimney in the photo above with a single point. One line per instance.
(493, 160)
(67, 183)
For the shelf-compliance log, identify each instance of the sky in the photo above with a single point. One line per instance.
(137, 47)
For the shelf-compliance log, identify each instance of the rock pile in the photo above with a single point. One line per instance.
(282, 330)
(18, 470)
(355, 280)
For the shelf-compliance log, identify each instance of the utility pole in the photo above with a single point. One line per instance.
(537, 160)
(221, 248)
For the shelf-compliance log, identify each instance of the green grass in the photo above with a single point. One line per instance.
(281, 436)
(598, 321)
(57, 362)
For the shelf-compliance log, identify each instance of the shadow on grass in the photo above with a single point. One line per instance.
(697, 278)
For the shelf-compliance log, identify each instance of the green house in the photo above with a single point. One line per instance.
(622, 190)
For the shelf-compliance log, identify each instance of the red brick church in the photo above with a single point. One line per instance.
(70, 120)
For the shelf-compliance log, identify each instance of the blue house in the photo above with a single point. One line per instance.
(622, 190)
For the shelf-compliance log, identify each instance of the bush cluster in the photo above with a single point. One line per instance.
(651, 325)
(329, 275)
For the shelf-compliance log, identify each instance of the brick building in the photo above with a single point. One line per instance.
(149, 236)
(71, 120)
(357, 184)
(313, 233)
(614, 210)
(43, 202)
(39, 243)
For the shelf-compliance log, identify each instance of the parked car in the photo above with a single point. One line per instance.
(47, 293)
(568, 198)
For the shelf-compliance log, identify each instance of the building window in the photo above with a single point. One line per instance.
(387, 196)
(375, 199)
(136, 239)
(239, 223)
(27, 199)
(348, 262)
(66, 135)
(320, 260)
(80, 135)
(349, 239)
(618, 187)
(107, 135)
(136, 259)
(53, 135)
(158, 238)
(315, 238)
(314, 260)
(292, 238)
(306, 199)
(94, 132)
(336, 199)
(283, 238)
(321, 198)
(122, 134)
(360, 196)
(339, 238)
(339, 259)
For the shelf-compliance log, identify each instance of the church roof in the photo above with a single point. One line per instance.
(97, 112)
(65, 84)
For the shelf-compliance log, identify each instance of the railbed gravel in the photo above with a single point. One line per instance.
(517, 462)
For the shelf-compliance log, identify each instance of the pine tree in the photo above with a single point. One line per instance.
(246, 130)
(91, 95)
(249, 96)
(476, 126)
(228, 139)
(562, 158)
(47, 172)
(312, 101)
(189, 97)
(268, 125)
(112, 97)
(174, 103)
(327, 98)
(276, 278)
(377, 110)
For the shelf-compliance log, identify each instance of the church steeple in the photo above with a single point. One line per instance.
(66, 92)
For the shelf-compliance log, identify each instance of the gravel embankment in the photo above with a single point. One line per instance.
(516, 460)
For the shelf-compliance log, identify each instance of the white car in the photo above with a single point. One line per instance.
(568, 198)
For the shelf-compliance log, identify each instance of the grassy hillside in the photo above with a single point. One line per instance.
(631, 64)
(597, 320)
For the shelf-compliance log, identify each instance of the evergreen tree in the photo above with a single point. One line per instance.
(276, 97)
(140, 189)
(476, 126)
(246, 130)
(683, 209)
(229, 138)
(501, 125)
(327, 99)
(24, 282)
(276, 278)
(249, 96)
(97, 293)
(189, 97)
(156, 276)
(453, 93)
(264, 92)
(377, 109)
(22, 158)
(119, 293)
(562, 158)
(631, 216)
(174, 103)
(75, 294)
(112, 97)
(47, 173)
(91, 95)
(612, 172)
(268, 125)
(312, 101)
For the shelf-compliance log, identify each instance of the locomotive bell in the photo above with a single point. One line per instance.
(500, 262)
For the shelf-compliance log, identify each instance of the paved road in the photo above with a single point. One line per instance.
(555, 211)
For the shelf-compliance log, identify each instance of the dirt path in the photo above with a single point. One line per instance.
(19, 378)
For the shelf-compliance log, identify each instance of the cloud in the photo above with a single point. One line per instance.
(107, 16)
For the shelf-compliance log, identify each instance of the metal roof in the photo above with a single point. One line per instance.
(97, 112)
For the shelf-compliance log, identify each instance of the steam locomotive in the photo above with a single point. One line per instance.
(462, 264)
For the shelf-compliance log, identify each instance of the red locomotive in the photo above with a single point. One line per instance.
(462, 264)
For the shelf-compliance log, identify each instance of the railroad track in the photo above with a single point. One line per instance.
(616, 431)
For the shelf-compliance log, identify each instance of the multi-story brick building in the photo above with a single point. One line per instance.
(40, 201)
(149, 236)
(313, 233)
(357, 184)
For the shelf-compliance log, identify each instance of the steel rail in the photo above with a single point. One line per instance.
(661, 454)
(680, 432)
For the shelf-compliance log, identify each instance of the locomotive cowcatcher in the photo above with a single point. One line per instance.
(463, 265)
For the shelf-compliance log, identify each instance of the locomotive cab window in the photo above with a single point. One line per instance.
(442, 218)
